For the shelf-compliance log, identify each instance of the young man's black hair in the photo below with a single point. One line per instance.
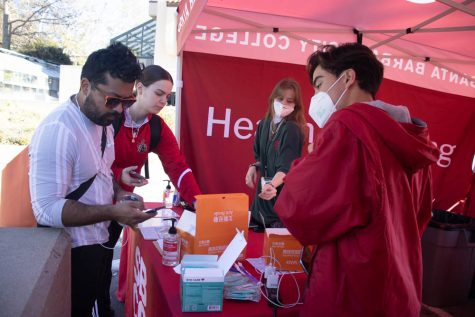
(117, 60)
(336, 59)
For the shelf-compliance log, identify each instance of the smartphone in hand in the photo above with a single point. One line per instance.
(136, 175)
(151, 211)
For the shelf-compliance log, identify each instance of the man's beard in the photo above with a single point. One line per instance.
(91, 111)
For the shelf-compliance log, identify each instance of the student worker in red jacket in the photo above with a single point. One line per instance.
(363, 196)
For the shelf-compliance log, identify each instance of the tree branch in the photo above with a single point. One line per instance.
(51, 18)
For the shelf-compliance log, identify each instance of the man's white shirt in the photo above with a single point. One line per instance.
(65, 151)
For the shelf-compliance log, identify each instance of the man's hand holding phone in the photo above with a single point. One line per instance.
(129, 210)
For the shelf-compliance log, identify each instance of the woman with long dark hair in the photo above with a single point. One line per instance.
(279, 140)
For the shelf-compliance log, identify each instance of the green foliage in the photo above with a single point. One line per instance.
(168, 115)
(18, 120)
(47, 51)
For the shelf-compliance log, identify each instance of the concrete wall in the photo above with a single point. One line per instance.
(35, 272)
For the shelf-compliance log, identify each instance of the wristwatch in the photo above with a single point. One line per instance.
(255, 164)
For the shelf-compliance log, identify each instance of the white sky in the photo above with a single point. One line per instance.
(101, 20)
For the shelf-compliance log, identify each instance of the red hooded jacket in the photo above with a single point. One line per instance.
(363, 197)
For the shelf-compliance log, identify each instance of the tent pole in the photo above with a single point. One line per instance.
(179, 86)
(359, 36)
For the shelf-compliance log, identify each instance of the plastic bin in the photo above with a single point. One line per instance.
(448, 251)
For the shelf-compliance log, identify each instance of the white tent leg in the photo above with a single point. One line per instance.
(179, 86)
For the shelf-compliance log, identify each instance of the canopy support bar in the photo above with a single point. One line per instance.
(425, 30)
(428, 59)
(458, 6)
(419, 26)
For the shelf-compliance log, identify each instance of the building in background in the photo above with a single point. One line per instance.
(24, 77)
(165, 14)
(141, 40)
(29, 78)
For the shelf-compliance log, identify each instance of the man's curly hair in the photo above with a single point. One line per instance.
(117, 60)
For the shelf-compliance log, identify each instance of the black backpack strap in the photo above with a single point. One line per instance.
(145, 165)
(76, 194)
(117, 123)
(155, 131)
(81, 190)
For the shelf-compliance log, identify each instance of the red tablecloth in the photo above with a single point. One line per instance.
(152, 289)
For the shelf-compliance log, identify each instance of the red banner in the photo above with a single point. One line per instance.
(451, 121)
(223, 98)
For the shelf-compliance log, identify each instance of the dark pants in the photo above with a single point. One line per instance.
(104, 299)
(87, 270)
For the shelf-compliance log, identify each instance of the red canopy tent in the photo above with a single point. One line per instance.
(232, 52)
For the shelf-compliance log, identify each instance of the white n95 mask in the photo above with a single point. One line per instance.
(322, 106)
(280, 110)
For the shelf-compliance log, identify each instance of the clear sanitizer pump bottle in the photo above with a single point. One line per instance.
(168, 195)
(171, 246)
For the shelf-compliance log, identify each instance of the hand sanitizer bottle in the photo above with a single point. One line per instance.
(171, 246)
(168, 195)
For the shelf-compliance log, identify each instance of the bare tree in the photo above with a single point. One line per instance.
(24, 20)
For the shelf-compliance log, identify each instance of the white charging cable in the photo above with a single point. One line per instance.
(106, 247)
(278, 303)
(272, 261)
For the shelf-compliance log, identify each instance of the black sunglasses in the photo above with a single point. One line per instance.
(113, 102)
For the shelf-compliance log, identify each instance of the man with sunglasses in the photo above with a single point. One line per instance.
(71, 181)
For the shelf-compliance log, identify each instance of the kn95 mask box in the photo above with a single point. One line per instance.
(202, 277)
(280, 245)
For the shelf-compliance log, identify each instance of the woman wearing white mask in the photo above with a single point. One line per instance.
(279, 140)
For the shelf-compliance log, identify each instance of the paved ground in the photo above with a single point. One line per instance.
(118, 306)
(8, 152)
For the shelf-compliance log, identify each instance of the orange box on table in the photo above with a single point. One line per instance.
(281, 245)
(217, 218)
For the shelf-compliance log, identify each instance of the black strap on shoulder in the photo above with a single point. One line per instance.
(103, 140)
(145, 165)
(81, 190)
(155, 131)
(117, 123)
(76, 194)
